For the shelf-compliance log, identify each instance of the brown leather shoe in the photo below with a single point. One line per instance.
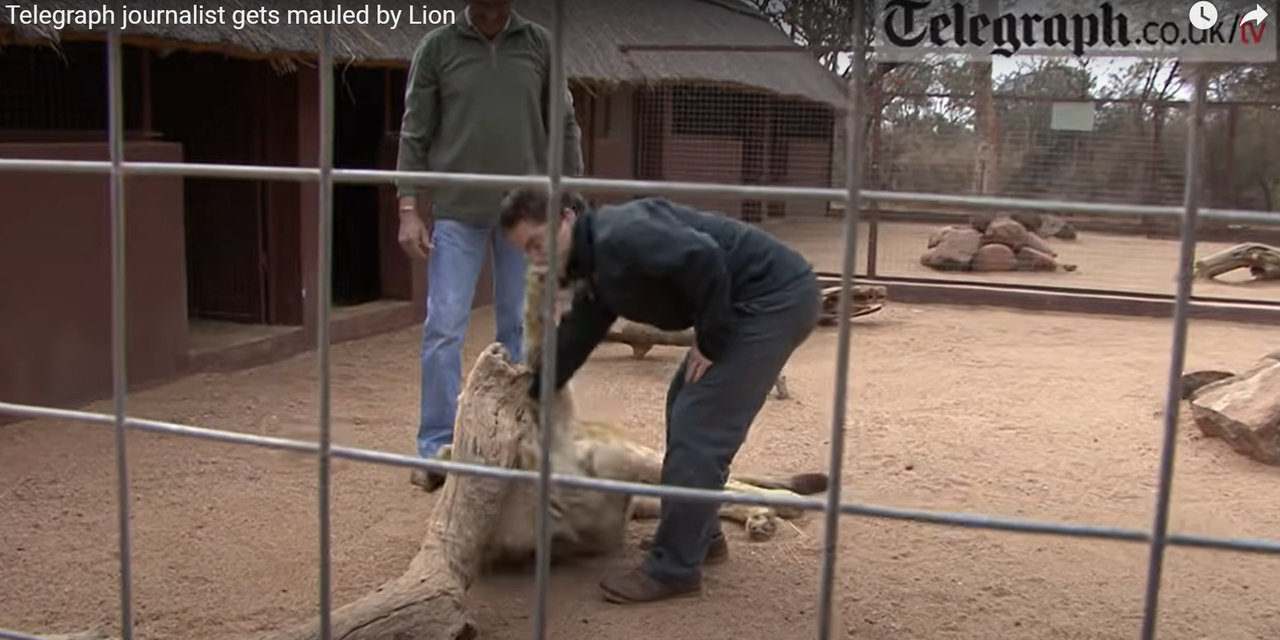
(717, 553)
(636, 587)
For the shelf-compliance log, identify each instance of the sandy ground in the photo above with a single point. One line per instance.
(971, 409)
(1107, 262)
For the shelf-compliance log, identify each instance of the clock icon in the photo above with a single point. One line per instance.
(1203, 15)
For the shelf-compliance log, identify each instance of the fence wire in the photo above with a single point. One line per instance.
(119, 327)
(1158, 536)
(555, 169)
(324, 307)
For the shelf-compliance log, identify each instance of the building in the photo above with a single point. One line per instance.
(219, 270)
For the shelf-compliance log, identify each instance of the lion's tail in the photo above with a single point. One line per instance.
(805, 484)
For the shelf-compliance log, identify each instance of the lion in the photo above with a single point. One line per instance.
(590, 522)
(586, 522)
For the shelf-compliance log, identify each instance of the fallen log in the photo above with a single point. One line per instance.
(867, 299)
(1262, 261)
(1243, 410)
(428, 601)
(642, 338)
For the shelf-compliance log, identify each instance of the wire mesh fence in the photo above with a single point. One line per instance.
(779, 149)
(1085, 132)
(713, 134)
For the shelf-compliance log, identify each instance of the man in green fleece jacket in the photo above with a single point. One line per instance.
(476, 101)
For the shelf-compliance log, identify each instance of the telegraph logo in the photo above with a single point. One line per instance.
(1249, 28)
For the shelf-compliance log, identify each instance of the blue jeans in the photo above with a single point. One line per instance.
(453, 268)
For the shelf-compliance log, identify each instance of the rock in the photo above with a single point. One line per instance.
(980, 221)
(1244, 410)
(1052, 226)
(936, 237)
(1044, 225)
(952, 249)
(1031, 260)
(1196, 380)
(1030, 221)
(1009, 232)
(994, 257)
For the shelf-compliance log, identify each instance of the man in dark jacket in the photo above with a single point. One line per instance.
(751, 301)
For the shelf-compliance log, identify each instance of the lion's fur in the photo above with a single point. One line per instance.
(592, 522)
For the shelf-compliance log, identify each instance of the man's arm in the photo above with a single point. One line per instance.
(572, 137)
(580, 331)
(421, 116)
(573, 162)
(695, 265)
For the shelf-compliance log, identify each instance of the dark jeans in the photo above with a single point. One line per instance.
(707, 421)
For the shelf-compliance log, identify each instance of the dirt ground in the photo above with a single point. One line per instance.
(1032, 415)
(1110, 262)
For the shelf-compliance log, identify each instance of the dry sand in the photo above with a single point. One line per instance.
(1043, 416)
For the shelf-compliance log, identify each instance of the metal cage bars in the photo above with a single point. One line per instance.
(555, 173)
(119, 326)
(326, 175)
(840, 400)
(1177, 355)
(614, 186)
(324, 308)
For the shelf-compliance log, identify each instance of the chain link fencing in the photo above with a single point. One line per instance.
(1054, 131)
(793, 163)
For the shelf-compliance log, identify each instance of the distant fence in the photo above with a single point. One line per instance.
(1107, 151)
(1122, 151)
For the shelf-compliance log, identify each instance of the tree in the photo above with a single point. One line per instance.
(823, 24)
(827, 26)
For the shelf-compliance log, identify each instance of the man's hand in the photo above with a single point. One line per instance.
(414, 237)
(697, 367)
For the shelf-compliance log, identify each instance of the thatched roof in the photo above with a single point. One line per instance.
(595, 29)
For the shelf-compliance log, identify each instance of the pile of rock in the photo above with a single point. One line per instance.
(998, 243)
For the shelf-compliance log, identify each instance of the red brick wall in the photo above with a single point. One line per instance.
(695, 158)
(55, 275)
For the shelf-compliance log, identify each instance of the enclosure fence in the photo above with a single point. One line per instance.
(1035, 136)
(1105, 150)
(1158, 536)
